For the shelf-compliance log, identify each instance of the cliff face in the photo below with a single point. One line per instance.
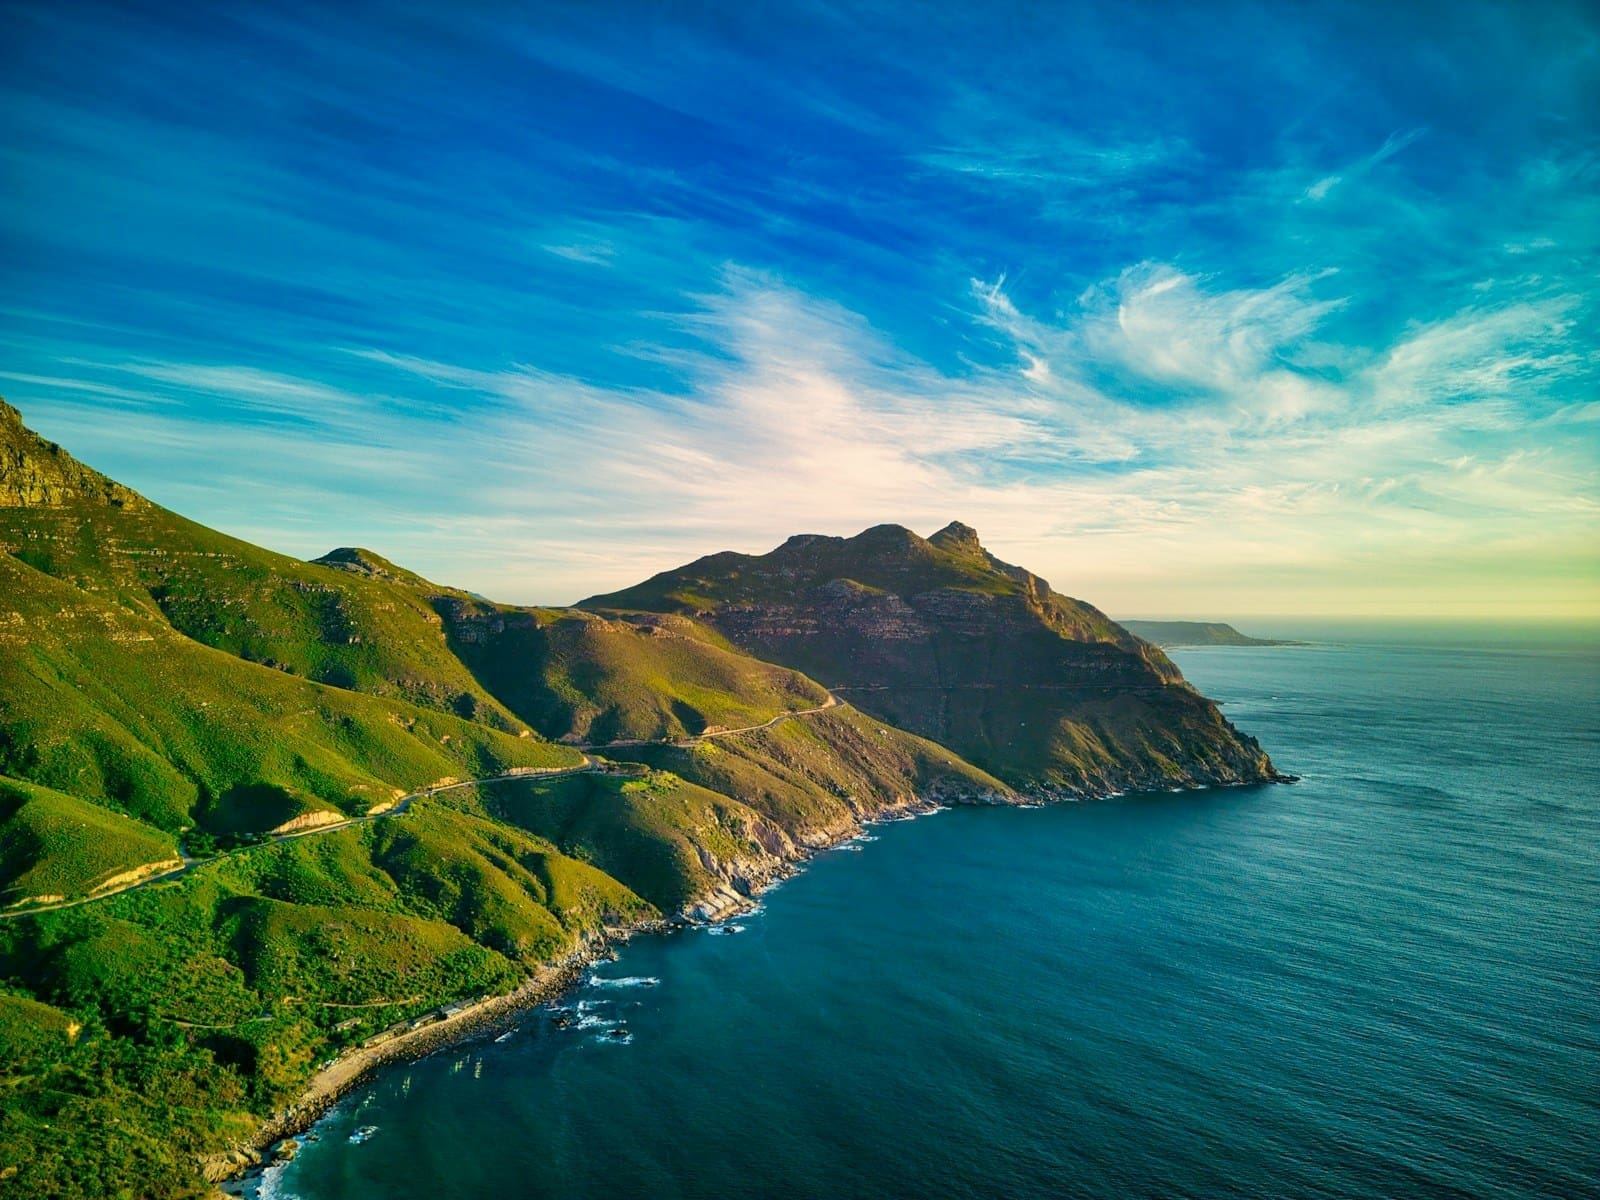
(40, 474)
(941, 638)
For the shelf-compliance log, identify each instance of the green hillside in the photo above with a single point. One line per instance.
(55, 846)
(108, 704)
(349, 629)
(578, 675)
(723, 816)
(669, 840)
(815, 779)
(167, 1021)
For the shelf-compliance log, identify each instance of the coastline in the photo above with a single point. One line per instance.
(237, 1171)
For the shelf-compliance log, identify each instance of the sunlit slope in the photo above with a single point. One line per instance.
(55, 846)
(720, 818)
(351, 630)
(817, 778)
(581, 676)
(667, 839)
(111, 706)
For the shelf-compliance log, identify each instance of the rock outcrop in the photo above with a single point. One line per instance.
(40, 474)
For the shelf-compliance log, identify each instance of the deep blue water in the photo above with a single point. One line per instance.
(1384, 981)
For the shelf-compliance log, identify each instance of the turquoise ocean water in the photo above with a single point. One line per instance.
(1383, 981)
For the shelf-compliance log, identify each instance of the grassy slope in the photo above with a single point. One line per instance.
(52, 844)
(816, 778)
(134, 1112)
(576, 674)
(368, 632)
(109, 705)
(676, 833)
(657, 833)
(204, 1004)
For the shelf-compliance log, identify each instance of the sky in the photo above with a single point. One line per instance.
(1202, 310)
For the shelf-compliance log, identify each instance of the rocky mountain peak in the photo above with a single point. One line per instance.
(957, 536)
(36, 473)
(357, 560)
(889, 540)
(802, 541)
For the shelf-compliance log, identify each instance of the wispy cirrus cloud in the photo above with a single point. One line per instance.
(1392, 145)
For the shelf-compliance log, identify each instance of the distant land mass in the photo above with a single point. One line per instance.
(258, 813)
(1197, 633)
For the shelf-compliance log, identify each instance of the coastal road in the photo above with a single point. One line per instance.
(688, 743)
(399, 806)
(589, 765)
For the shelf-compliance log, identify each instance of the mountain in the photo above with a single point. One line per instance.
(1195, 633)
(175, 701)
(941, 638)
(221, 861)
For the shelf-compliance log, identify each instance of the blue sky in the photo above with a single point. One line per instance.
(1209, 310)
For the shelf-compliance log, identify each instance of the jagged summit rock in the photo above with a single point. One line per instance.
(958, 536)
(39, 473)
(360, 561)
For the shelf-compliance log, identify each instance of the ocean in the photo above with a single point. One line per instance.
(1382, 981)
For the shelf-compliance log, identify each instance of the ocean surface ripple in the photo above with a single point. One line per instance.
(1380, 982)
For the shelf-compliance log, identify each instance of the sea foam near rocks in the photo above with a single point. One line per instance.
(625, 981)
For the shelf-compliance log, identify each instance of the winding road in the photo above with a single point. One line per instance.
(589, 765)
(686, 743)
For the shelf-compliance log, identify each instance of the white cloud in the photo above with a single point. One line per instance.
(595, 254)
(1482, 353)
(1161, 431)
(1323, 186)
(1392, 145)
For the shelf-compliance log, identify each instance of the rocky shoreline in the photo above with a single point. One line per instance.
(238, 1171)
